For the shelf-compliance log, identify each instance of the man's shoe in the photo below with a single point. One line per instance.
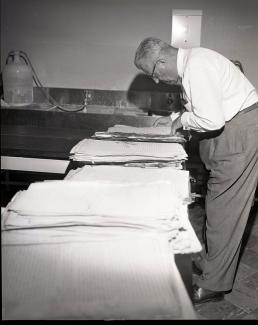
(201, 295)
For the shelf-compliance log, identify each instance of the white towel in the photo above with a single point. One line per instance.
(33, 229)
(93, 280)
(148, 130)
(121, 151)
(153, 130)
(179, 179)
(149, 200)
(159, 130)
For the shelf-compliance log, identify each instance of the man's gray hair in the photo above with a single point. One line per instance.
(150, 47)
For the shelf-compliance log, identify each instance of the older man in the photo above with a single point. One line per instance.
(222, 106)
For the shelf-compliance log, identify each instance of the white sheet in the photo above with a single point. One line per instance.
(147, 200)
(113, 265)
(178, 233)
(98, 248)
(160, 130)
(127, 175)
(111, 279)
(119, 198)
(175, 230)
(122, 151)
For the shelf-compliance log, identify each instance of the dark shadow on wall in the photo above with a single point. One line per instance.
(142, 82)
(158, 99)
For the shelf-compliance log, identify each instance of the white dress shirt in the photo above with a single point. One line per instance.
(214, 88)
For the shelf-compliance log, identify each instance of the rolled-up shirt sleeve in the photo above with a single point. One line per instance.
(202, 86)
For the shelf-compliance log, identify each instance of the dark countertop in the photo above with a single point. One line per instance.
(39, 133)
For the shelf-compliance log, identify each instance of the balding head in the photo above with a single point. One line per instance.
(157, 59)
(149, 51)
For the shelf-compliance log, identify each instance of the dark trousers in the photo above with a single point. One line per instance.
(231, 156)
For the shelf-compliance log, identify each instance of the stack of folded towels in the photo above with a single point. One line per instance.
(129, 145)
(153, 200)
(99, 244)
(104, 151)
(158, 130)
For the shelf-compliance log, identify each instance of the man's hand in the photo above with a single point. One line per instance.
(164, 120)
(176, 124)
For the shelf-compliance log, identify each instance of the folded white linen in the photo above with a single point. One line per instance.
(121, 159)
(127, 175)
(13, 220)
(19, 229)
(157, 164)
(126, 205)
(116, 151)
(153, 130)
(78, 234)
(102, 280)
(150, 200)
(139, 137)
(159, 130)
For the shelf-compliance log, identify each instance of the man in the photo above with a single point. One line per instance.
(222, 106)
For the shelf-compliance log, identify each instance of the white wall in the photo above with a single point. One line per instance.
(91, 43)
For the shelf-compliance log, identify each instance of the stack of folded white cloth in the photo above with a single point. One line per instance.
(176, 196)
(104, 151)
(152, 200)
(98, 245)
(158, 130)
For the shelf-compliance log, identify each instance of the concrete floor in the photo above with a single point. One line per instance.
(242, 301)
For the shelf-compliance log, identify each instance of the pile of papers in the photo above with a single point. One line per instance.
(130, 133)
(138, 137)
(103, 151)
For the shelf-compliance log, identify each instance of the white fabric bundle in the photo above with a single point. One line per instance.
(119, 198)
(122, 151)
(101, 280)
(154, 130)
(179, 179)
(159, 130)
(98, 245)
(146, 200)
(21, 229)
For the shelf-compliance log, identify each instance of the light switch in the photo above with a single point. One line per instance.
(186, 28)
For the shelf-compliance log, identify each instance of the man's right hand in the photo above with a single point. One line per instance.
(164, 120)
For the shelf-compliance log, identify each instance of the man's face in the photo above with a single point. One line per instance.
(160, 70)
